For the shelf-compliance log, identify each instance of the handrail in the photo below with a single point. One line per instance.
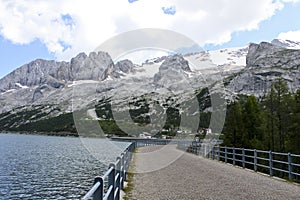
(92, 191)
(286, 163)
(254, 159)
(107, 172)
(117, 172)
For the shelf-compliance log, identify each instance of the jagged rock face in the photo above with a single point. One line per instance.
(90, 67)
(172, 73)
(269, 55)
(39, 72)
(53, 83)
(118, 70)
(177, 63)
(267, 62)
(125, 66)
(31, 74)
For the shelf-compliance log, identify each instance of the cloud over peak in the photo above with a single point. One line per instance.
(68, 27)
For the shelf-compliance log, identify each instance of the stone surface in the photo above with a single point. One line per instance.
(193, 177)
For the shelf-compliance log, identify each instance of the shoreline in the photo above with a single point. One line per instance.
(59, 134)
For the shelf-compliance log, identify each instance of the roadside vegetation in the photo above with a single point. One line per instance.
(268, 123)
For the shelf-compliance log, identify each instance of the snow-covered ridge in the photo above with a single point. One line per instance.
(286, 43)
(56, 83)
(80, 82)
(232, 56)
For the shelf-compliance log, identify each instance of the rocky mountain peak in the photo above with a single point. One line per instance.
(125, 66)
(38, 72)
(49, 82)
(176, 62)
(267, 62)
(271, 55)
(119, 69)
(172, 72)
(90, 67)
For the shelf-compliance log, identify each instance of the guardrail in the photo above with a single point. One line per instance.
(285, 165)
(109, 186)
(144, 141)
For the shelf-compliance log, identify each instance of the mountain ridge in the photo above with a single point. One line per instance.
(65, 87)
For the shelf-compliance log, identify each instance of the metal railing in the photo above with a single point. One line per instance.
(284, 165)
(109, 186)
(144, 142)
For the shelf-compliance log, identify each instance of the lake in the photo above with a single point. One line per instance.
(48, 167)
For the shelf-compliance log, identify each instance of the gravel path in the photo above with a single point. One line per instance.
(192, 177)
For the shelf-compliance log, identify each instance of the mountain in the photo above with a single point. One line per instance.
(265, 63)
(286, 44)
(41, 95)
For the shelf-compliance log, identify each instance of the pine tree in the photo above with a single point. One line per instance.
(294, 136)
(234, 128)
(270, 109)
(254, 123)
(278, 108)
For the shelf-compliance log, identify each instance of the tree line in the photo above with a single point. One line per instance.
(268, 123)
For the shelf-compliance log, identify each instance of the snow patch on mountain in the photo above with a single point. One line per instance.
(286, 43)
(147, 70)
(80, 82)
(231, 56)
(22, 86)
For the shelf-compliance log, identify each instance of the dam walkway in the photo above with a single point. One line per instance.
(165, 172)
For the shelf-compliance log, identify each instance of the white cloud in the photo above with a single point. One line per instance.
(291, 35)
(94, 21)
(290, 1)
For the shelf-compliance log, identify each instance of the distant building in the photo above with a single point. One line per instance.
(205, 131)
(208, 131)
(145, 135)
(179, 131)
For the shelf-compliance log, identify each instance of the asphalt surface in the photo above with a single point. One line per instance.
(168, 173)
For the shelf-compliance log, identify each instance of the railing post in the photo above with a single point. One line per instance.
(111, 181)
(233, 156)
(290, 167)
(205, 151)
(255, 160)
(271, 162)
(243, 158)
(225, 154)
(122, 170)
(118, 178)
(213, 152)
(98, 194)
(219, 153)
(126, 158)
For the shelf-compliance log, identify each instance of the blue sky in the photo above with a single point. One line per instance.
(61, 29)
(287, 19)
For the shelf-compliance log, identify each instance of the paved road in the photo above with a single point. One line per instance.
(192, 177)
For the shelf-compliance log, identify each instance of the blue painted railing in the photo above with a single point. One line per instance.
(273, 163)
(109, 186)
